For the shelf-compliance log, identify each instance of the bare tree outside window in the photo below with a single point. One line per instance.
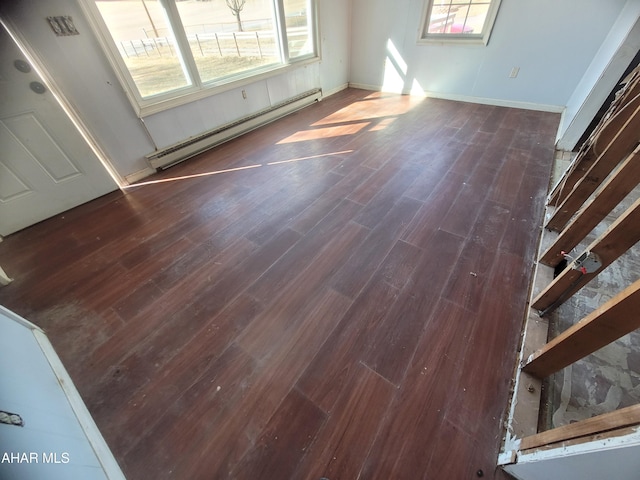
(159, 62)
(236, 7)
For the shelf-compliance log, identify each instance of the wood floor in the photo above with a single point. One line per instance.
(339, 294)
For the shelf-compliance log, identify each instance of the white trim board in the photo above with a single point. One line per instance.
(139, 175)
(333, 91)
(498, 102)
(617, 457)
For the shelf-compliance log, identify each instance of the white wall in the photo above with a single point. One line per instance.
(602, 75)
(552, 41)
(84, 76)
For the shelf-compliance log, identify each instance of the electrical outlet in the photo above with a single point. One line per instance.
(514, 72)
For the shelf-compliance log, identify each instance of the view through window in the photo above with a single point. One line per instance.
(459, 19)
(168, 46)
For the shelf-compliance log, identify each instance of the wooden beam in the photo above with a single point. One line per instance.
(610, 194)
(622, 144)
(616, 318)
(619, 237)
(599, 139)
(602, 423)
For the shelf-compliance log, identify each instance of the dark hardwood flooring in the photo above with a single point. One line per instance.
(337, 294)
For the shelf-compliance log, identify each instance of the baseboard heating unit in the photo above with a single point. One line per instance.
(179, 152)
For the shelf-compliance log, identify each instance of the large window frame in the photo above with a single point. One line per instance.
(426, 37)
(198, 89)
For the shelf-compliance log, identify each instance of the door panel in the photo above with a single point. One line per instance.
(35, 138)
(46, 166)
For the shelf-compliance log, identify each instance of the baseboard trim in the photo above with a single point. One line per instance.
(498, 102)
(180, 152)
(365, 86)
(137, 176)
(333, 91)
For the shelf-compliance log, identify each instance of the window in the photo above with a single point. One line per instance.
(168, 52)
(458, 21)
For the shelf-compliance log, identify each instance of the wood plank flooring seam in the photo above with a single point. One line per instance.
(314, 315)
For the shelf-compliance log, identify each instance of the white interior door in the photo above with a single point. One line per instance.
(46, 166)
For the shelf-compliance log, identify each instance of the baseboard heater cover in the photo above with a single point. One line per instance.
(179, 152)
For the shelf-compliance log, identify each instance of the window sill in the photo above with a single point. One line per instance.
(454, 40)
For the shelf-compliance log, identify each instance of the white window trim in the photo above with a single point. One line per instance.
(450, 38)
(198, 90)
